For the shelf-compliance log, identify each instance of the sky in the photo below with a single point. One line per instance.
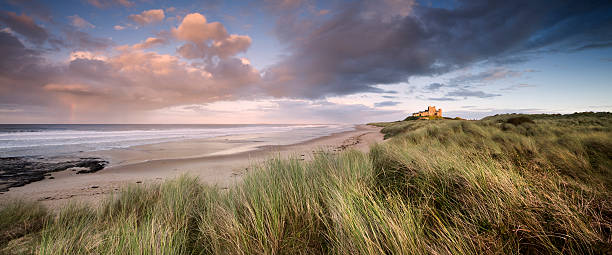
(299, 61)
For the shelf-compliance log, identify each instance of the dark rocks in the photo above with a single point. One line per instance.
(91, 165)
(19, 171)
(94, 187)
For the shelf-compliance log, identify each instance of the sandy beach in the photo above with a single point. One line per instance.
(219, 161)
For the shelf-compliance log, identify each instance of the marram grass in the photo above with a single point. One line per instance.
(435, 187)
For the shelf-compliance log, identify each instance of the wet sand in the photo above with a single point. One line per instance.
(219, 161)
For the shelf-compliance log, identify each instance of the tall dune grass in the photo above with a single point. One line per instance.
(435, 187)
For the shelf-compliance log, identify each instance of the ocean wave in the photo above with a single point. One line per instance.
(49, 142)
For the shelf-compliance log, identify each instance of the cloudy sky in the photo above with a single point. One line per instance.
(299, 61)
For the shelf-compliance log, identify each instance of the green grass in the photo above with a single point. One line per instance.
(434, 187)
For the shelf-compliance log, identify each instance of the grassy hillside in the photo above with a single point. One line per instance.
(537, 185)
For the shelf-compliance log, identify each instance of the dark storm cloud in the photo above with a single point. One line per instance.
(386, 103)
(80, 40)
(15, 56)
(361, 47)
(24, 25)
(21, 72)
(19, 63)
(36, 34)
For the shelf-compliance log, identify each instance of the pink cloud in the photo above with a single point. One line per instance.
(140, 81)
(195, 28)
(323, 12)
(205, 40)
(79, 22)
(232, 45)
(99, 82)
(147, 17)
(149, 43)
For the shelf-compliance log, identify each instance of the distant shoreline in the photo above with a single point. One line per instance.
(219, 160)
(43, 140)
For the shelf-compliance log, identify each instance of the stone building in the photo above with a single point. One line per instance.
(431, 111)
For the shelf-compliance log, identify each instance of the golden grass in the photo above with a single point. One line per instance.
(435, 187)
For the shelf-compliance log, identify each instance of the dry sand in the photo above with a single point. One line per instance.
(218, 161)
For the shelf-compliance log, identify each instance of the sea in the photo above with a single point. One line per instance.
(26, 140)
